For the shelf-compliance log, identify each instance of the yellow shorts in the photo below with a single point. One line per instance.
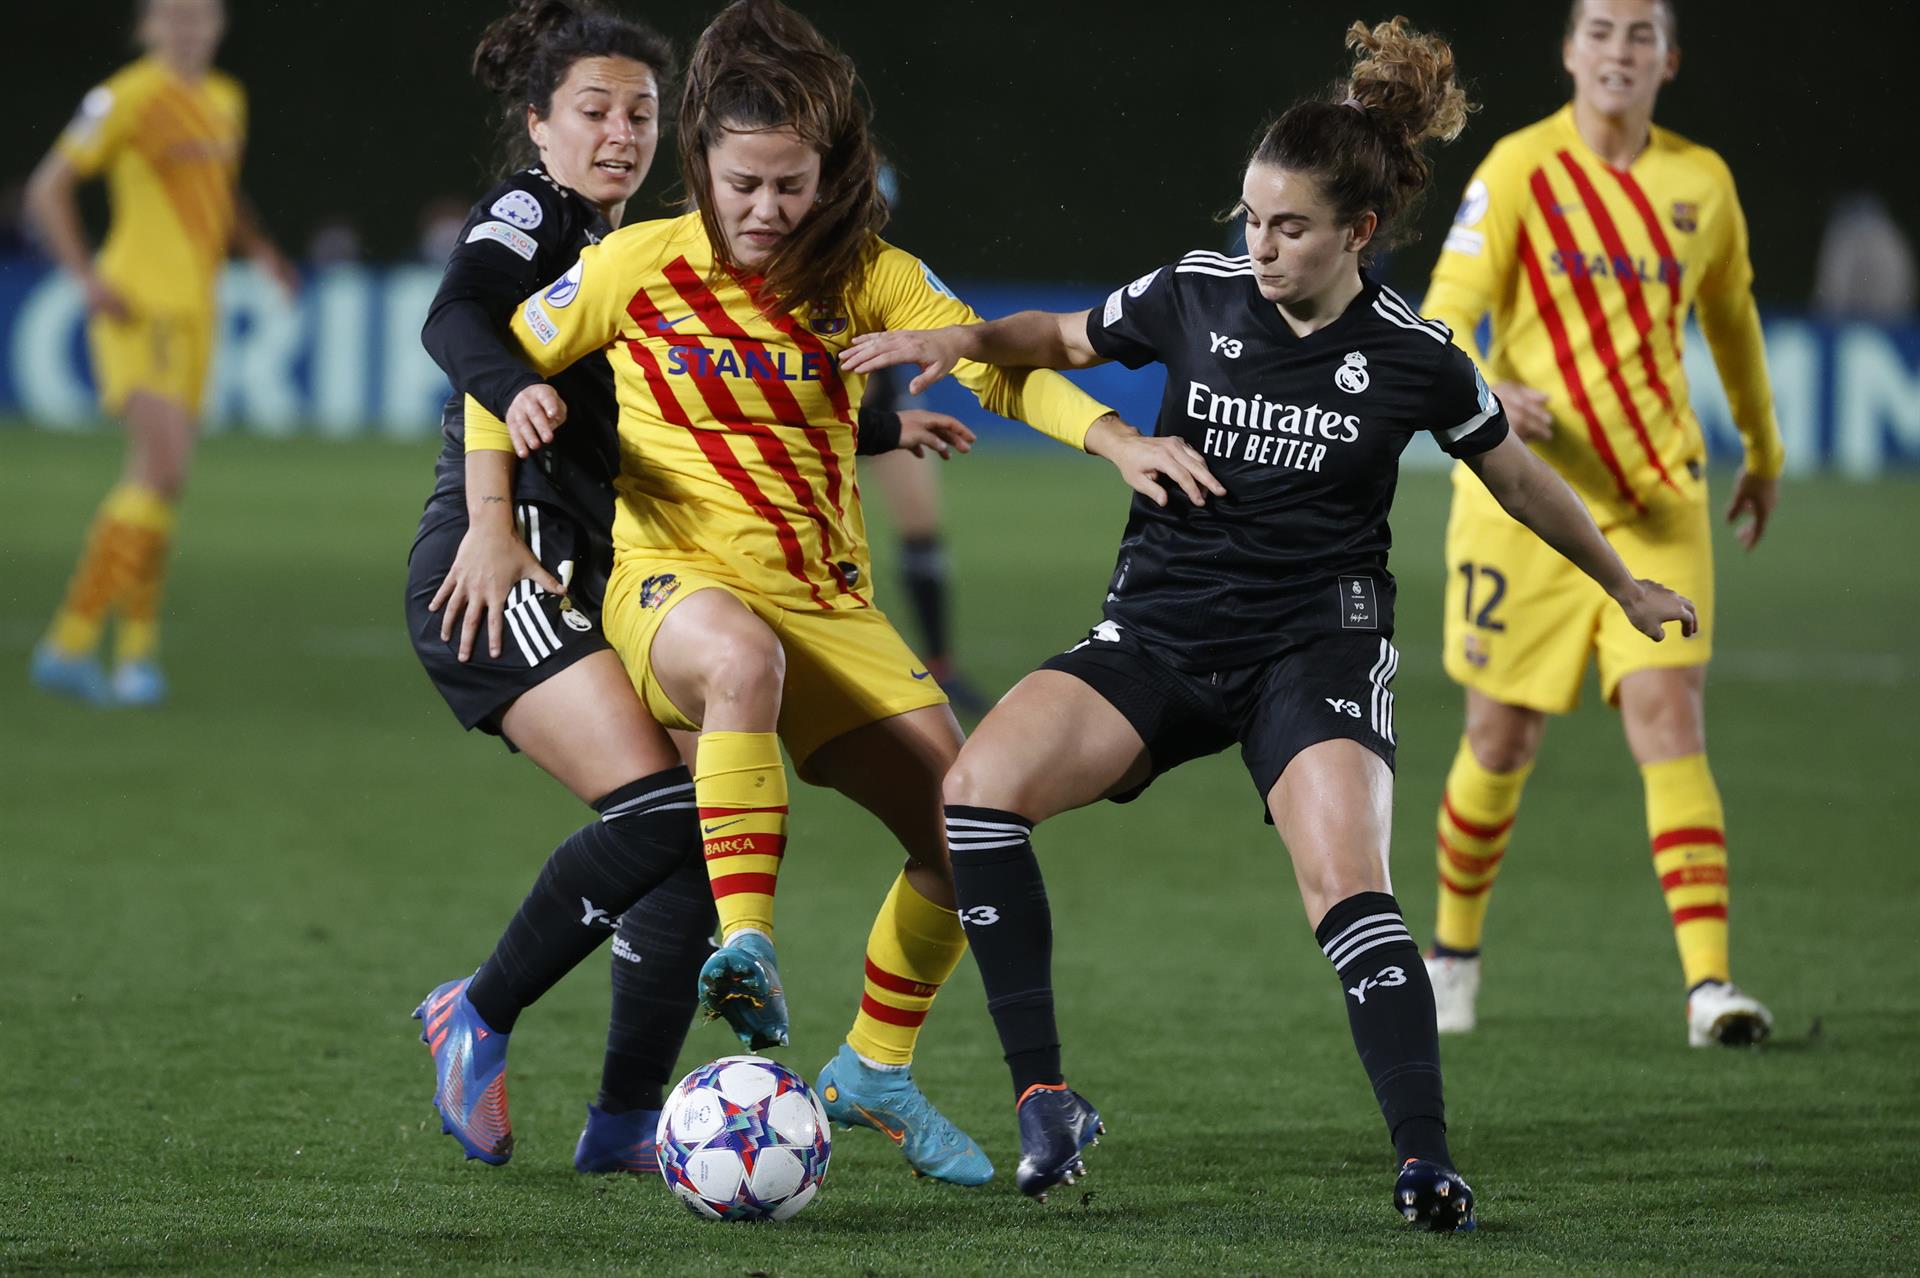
(163, 355)
(1521, 620)
(845, 669)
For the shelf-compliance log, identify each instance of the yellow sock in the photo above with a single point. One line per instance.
(740, 784)
(1688, 829)
(1476, 818)
(912, 950)
(150, 517)
(119, 554)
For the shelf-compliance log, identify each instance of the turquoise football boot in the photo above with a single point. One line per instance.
(741, 983)
(855, 1094)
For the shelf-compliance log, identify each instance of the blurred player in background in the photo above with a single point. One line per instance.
(1264, 617)
(503, 598)
(739, 597)
(166, 132)
(911, 487)
(1587, 238)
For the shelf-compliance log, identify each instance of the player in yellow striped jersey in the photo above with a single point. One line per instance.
(742, 591)
(166, 133)
(1587, 238)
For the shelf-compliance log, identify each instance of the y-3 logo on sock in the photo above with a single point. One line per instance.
(591, 914)
(1385, 978)
(980, 916)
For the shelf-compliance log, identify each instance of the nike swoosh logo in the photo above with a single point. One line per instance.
(920, 674)
(898, 1138)
(663, 323)
(709, 829)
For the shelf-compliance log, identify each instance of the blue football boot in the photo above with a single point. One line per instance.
(470, 1073)
(855, 1094)
(66, 675)
(138, 683)
(1056, 1126)
(618, 1143)
(740, 982)
(1433, 1197)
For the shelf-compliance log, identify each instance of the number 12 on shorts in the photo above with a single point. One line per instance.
(1494, 583)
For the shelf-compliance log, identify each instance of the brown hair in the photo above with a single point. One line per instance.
(760, 66)
(1362, 143)
(525, 55)
(1667, 11)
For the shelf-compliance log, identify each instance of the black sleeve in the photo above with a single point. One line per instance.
(1466, 414)
(878, 432)
(1137, 324)
(516, 240)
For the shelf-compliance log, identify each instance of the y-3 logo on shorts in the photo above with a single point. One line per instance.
(591, 914)
(1385, 978)
(1349, 708)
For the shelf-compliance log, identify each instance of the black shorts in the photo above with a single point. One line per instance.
(1325, 687)
(542, 636)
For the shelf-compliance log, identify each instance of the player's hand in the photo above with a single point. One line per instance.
(104, 299)
(921, 430)
(1650, 606)
(1147, 462)
(933, 351)
(491, 561)
(534, 415)
(1526, 411)
(1755, 497)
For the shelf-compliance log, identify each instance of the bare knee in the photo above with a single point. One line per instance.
(744, 668)
(1663, 719)
(1503, 738)
(978, 781)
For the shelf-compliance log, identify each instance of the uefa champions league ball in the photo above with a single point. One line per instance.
(743, 1138)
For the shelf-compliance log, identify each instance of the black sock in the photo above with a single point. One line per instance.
(664, 937)
(1003, 907)
(924, 561)
(645, 830)
(1390, 1010)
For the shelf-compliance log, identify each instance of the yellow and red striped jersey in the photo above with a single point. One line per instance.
(1589, 272)
(171, 153)
(737, 425)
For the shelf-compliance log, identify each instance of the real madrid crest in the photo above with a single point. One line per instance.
(1351, 376)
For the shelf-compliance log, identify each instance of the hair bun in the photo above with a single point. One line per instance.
(1405, 80)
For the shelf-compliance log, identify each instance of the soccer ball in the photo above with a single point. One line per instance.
(743, 1138)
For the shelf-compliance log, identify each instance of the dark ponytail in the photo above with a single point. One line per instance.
(1364, 143)
(523, 57)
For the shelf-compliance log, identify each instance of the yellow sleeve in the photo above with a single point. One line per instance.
(102, 125)
(1731, 323)
(579, 313)
(485, 432)
(1478, 257)
(903, 293)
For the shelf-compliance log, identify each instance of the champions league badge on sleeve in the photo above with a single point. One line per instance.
(563, 290)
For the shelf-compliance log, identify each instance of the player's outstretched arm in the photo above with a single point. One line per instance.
(491, 561)
(1535, 495)
(1028, 339)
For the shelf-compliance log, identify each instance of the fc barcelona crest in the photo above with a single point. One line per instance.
(1686, 216)
(824, 322)
(657, 589)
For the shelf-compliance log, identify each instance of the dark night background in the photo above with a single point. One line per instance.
(1042, 141)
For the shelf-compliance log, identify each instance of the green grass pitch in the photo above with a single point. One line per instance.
(214, 919)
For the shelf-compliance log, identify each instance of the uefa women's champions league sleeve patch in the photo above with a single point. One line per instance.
(561, 292)
(93, 112)
(934, 282)
(500, 233)
(520, 208)
(1461, 237)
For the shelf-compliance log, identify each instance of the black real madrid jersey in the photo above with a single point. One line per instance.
(1305, 433)
(523, 235)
